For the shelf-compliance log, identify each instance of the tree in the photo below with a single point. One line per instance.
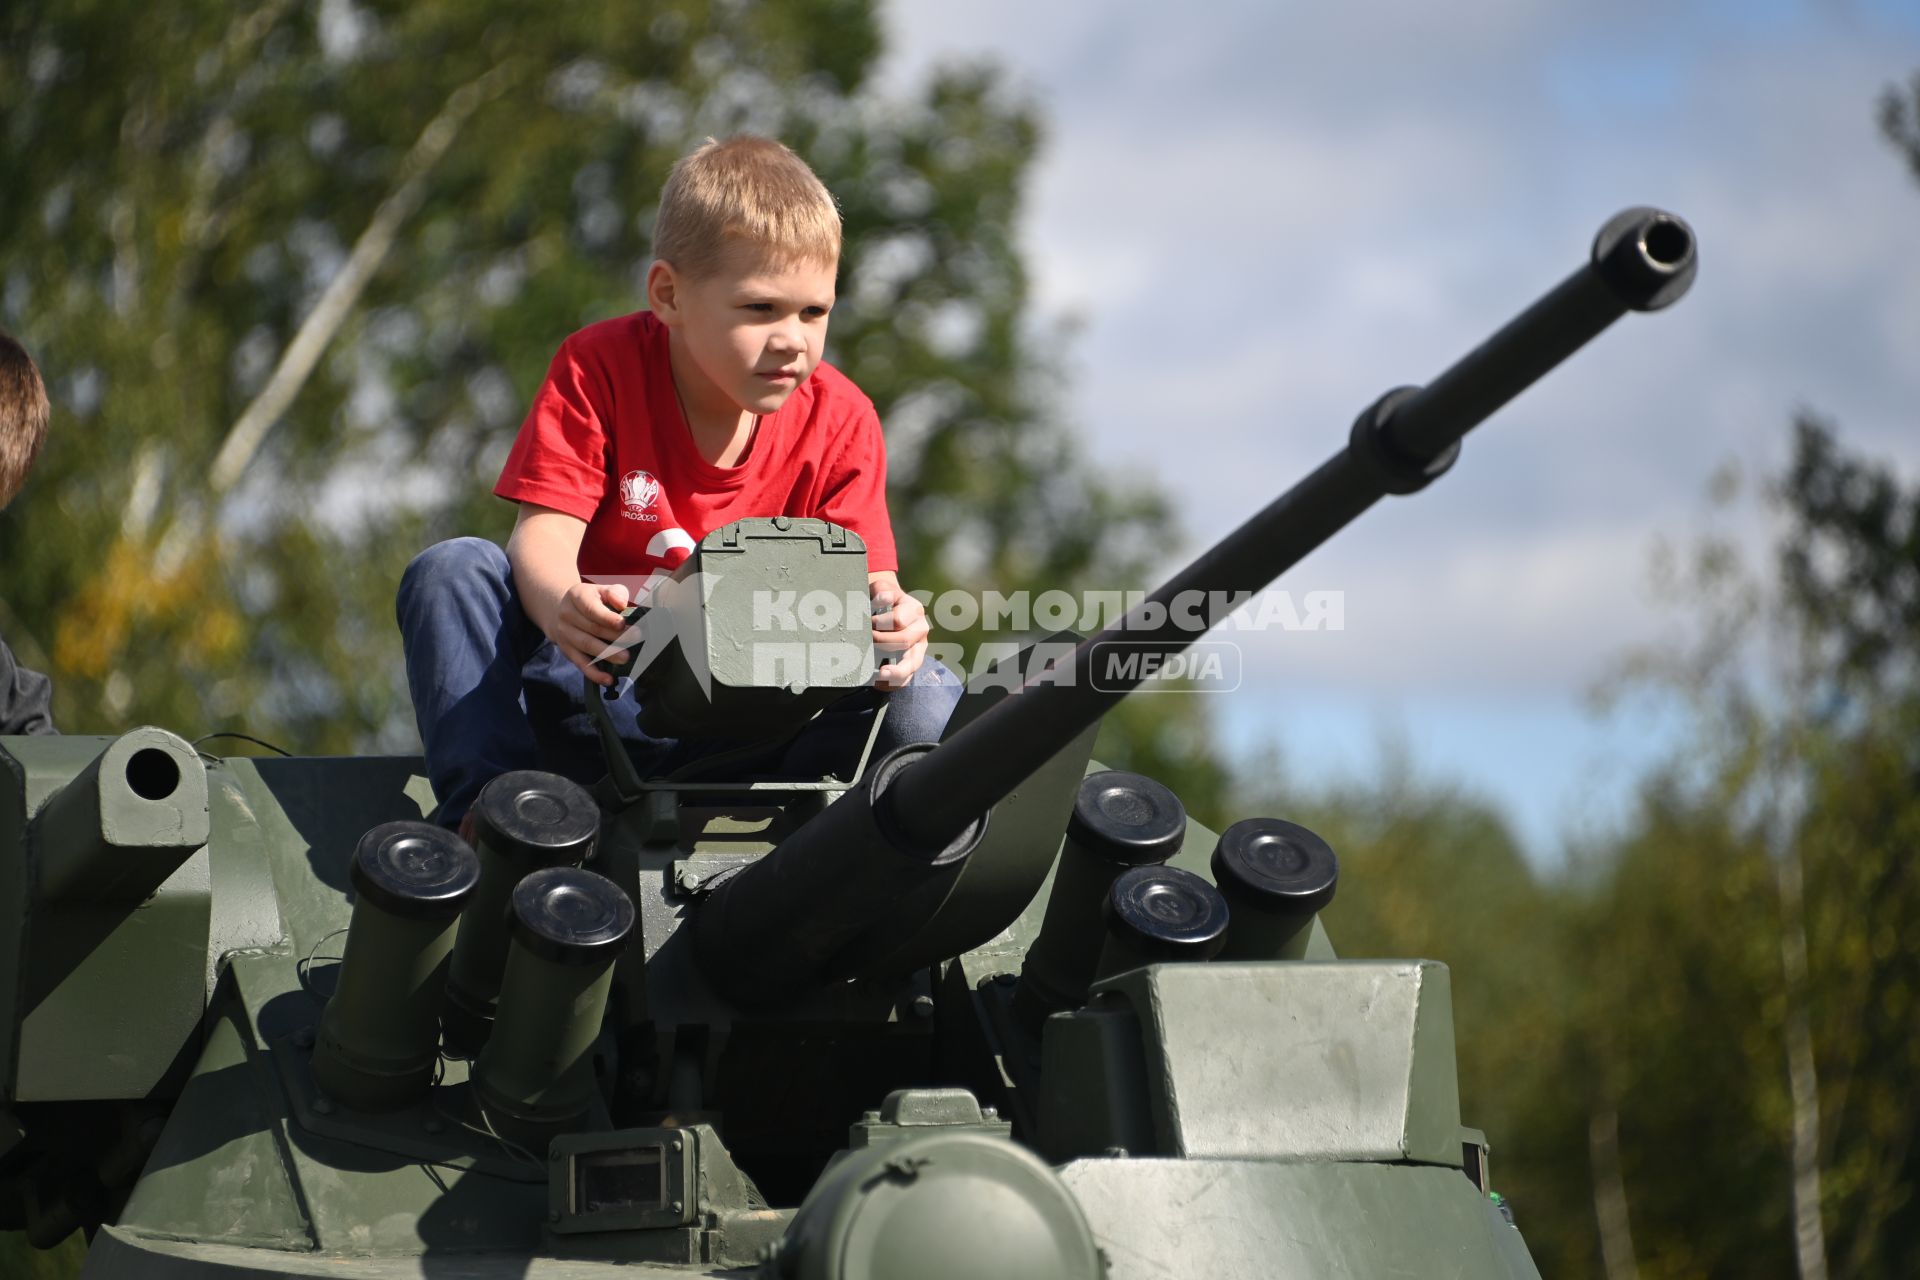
(1813, 767)
(294, 273)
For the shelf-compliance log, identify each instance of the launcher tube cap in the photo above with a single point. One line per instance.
(570, 916)
(537, 819)
(1166, 913)
(1127, 819)
(414, 869)
(1276, 867)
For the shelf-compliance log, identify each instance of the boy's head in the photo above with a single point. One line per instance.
(23, 416)
(746, 198)
(746, 246)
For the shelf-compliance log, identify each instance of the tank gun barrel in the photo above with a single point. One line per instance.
(767, 928)
(1642, 260)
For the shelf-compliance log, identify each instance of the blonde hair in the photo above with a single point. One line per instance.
(23, 416)
(749, 191)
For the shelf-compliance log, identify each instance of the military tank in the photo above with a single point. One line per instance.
(980, 1007)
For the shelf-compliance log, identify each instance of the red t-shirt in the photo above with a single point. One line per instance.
(605, 441)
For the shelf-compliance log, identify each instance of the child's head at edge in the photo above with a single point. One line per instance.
(23, 416)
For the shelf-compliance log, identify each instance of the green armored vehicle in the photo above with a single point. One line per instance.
(975, 1009)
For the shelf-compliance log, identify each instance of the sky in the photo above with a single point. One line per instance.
(1261, 216)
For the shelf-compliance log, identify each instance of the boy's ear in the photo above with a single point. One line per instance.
(663, 292)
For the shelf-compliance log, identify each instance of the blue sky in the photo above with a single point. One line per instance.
(1263, 216)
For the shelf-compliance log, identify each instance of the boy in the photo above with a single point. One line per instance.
(650, 431)
(25, 696)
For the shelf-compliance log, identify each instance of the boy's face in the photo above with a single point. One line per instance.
(752, 331)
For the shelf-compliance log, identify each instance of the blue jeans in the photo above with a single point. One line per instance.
(491, 693)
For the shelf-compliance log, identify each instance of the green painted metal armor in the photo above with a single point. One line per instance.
(873, 1024)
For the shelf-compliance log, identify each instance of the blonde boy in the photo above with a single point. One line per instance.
(650, 431)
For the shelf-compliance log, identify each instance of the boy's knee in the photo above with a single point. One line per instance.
(921, 708)
(937, 682)
(458, 564)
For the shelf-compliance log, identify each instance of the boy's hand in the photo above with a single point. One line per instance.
(900, 631)
(581, 618)
(586, 622)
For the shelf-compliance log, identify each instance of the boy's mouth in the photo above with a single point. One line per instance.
(791, 373)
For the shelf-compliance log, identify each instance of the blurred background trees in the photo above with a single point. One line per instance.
(293, 272)
(1694, 1046)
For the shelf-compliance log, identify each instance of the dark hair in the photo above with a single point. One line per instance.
(23, 416)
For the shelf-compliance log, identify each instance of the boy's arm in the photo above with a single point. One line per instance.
(901, 626)
(581, 618)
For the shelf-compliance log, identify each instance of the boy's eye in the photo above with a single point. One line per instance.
(769, 308)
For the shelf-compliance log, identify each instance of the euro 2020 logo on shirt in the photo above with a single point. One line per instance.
(639, 490)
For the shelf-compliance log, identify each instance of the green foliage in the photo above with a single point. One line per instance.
(186, 182)
(1794, 819)
(1851, 564)
(1682, 938)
